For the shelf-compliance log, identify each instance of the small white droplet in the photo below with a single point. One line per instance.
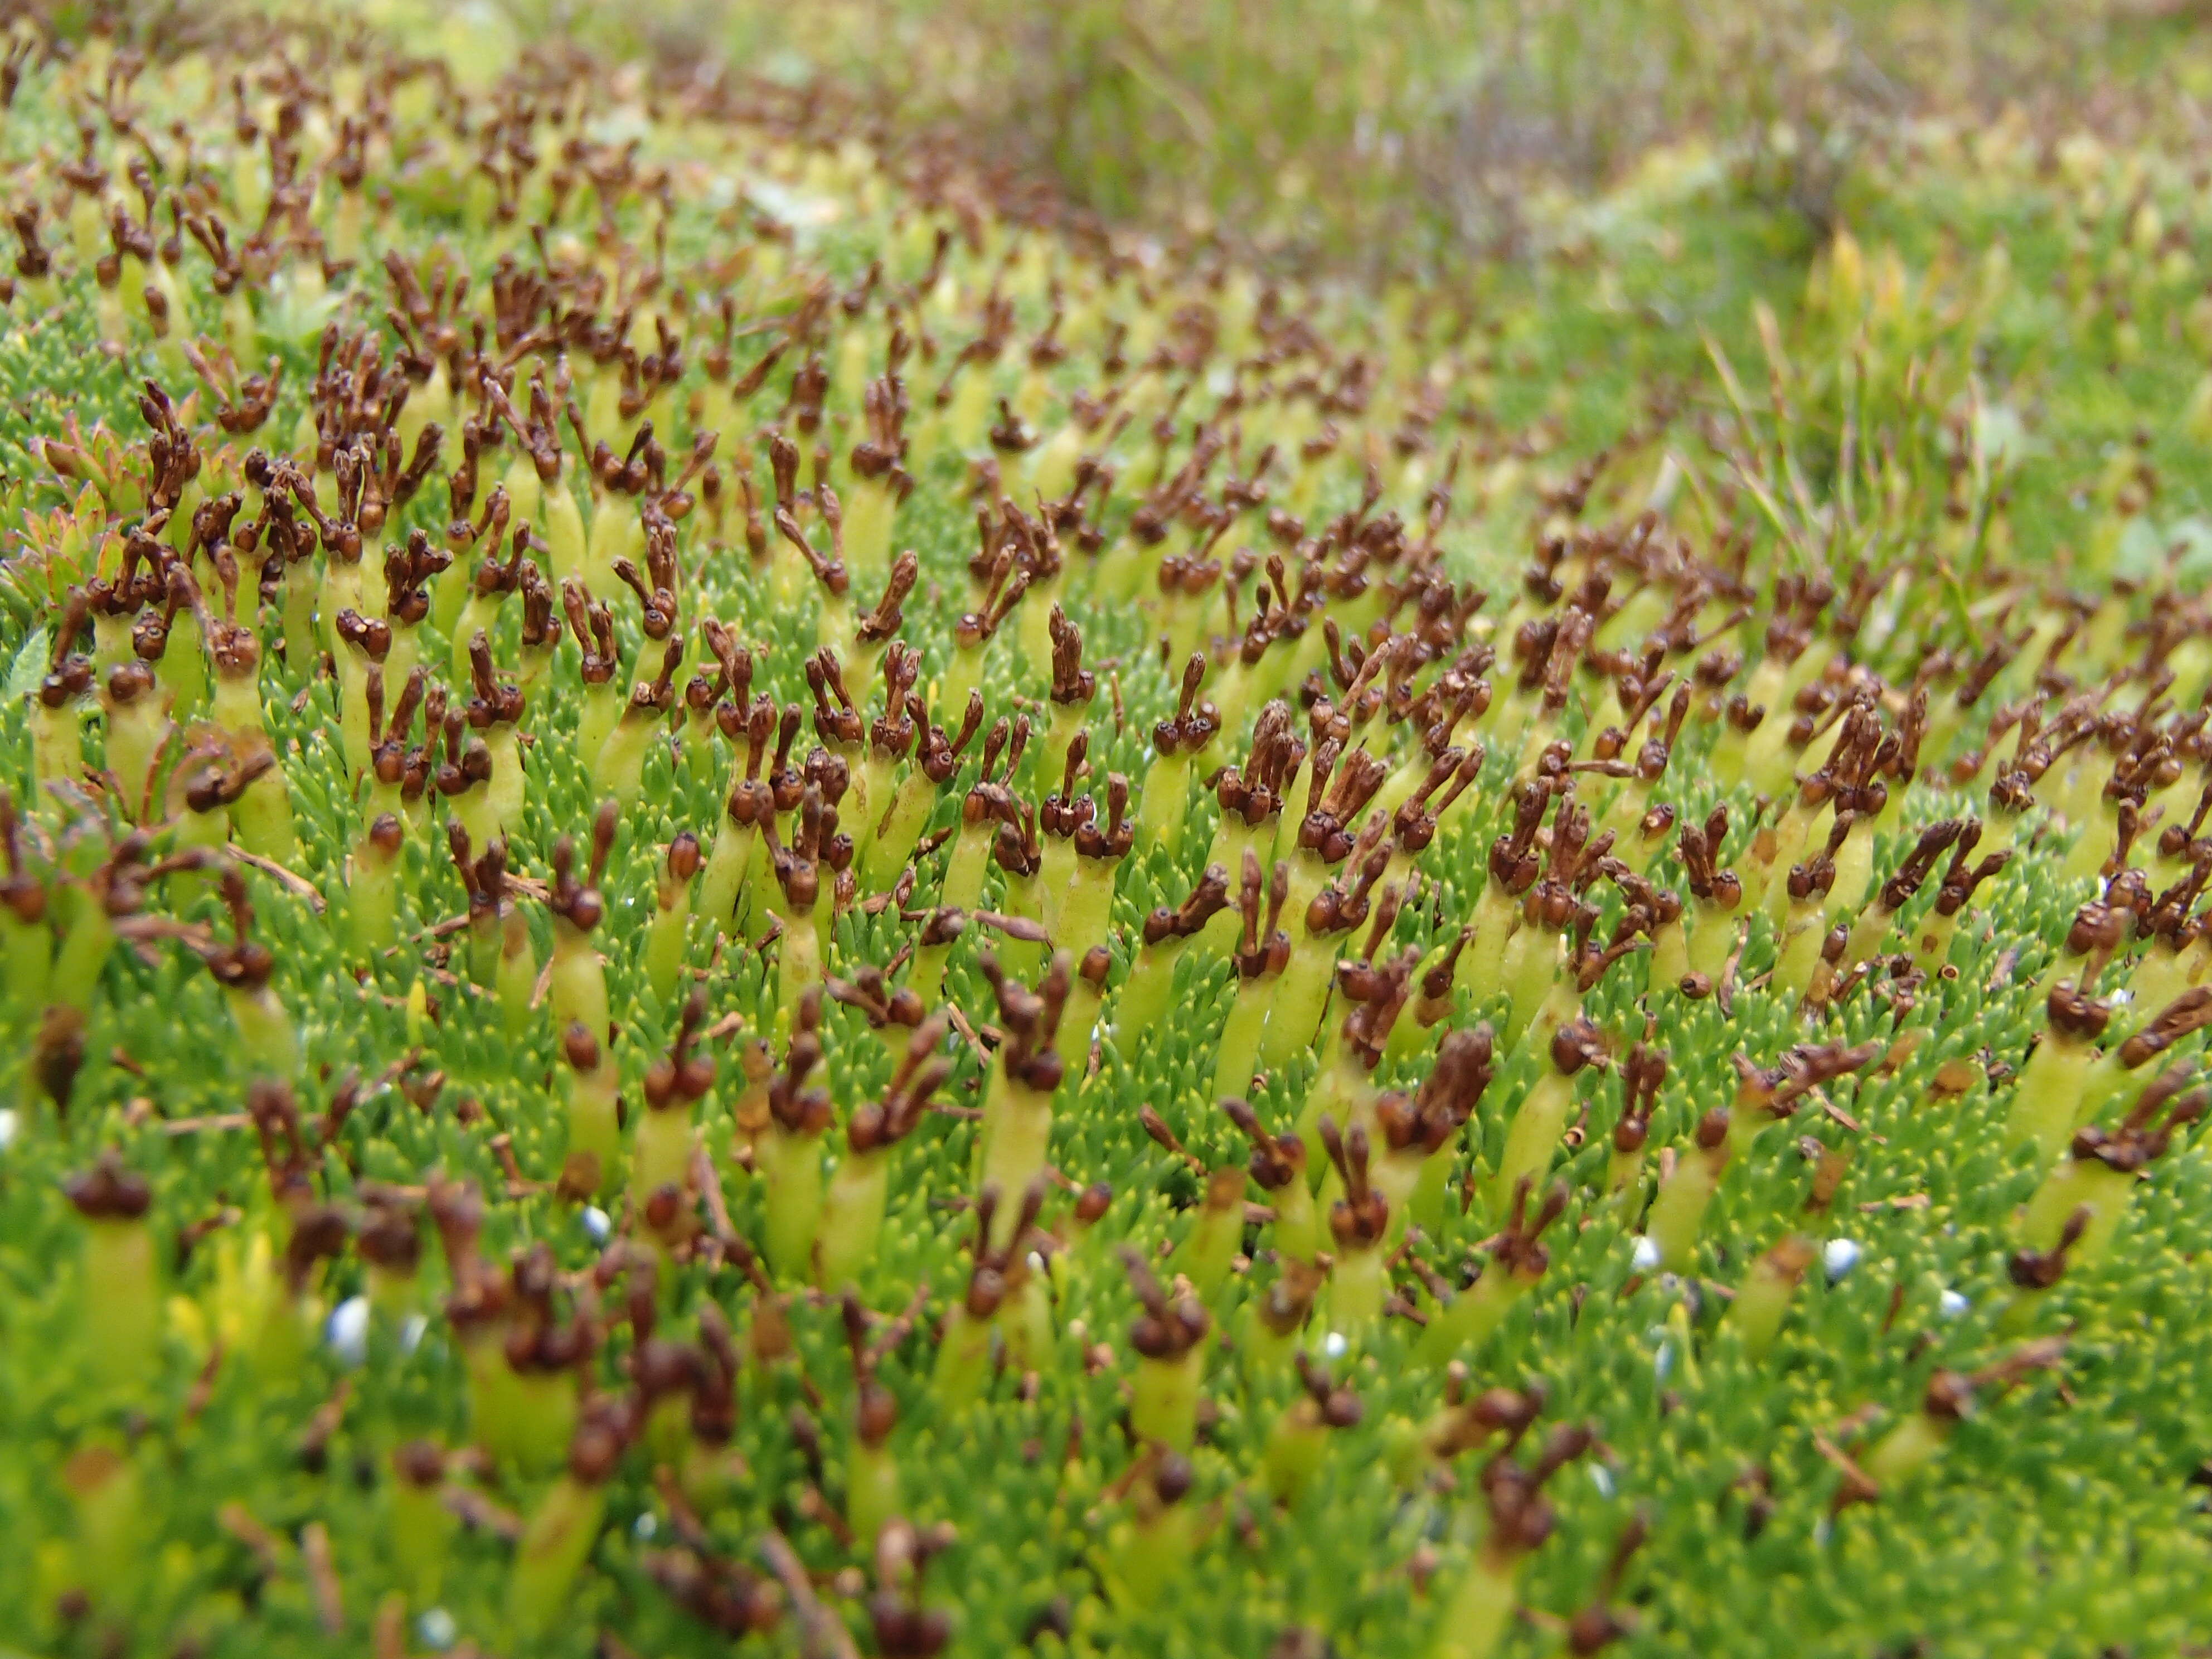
(347, 1331)
(1663, 1361)
(596, 1223)
(1647, 1255)
(410, 1333)
(1037, 1261)
(1953, 1304)
(437, 1629)
(1333, 1344)
(7, 1128)
(1822, 1531)
(646, 1524)
(1839, 1257)
(1601, 1478)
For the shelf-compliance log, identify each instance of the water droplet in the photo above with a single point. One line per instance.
(646, 1524)
(7, 1128)
(437, 1629)
(1663, 1361)
(1839, 1257)
(1333, 1344)
(596, 1223)
(410, 1333)
(1647, 1255)
(347, 1331)
(1951, 1304)
(1601, 1478)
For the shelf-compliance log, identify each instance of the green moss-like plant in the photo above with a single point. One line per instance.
(746, 901)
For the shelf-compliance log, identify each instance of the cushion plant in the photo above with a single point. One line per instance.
(749, 896)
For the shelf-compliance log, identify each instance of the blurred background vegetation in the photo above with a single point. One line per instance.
(1408, 137)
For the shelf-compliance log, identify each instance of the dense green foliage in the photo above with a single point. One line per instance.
(750, 895)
